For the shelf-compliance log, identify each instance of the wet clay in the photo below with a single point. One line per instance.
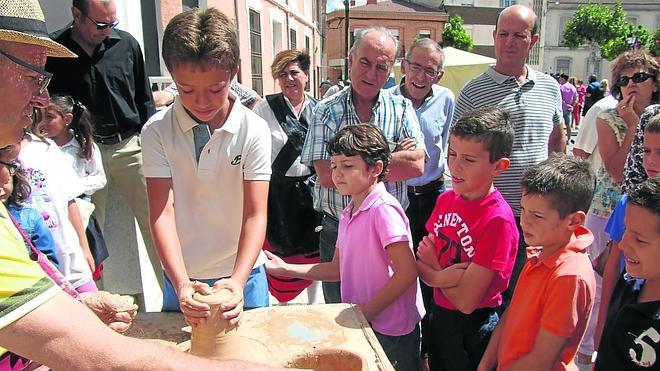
(329, 360)
(215, 339)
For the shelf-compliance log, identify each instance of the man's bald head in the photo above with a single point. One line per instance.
(520, 12)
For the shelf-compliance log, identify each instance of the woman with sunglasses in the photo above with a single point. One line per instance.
(635, 86)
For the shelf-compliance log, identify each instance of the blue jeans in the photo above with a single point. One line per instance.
(327, 244)
(255, 292)
(402, 351)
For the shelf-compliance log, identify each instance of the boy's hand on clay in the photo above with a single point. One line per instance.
(232, 309)
(114, 310)
(426, 252)
(194, 311)
(274, 264)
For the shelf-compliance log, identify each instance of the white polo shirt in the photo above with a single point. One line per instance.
(208, 198)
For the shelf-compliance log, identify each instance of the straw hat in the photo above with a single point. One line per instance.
(22, 21)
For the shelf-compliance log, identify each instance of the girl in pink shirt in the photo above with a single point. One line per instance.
(374, 258)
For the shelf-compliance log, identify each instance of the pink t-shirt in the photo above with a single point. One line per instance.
(365, 266)
(482, 232)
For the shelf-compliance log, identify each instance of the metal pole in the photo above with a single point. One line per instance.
(346, 38)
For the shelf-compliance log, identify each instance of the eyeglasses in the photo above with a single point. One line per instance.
(417, 68)
(637, 78)
(11, 166)
(102, 25)
(42, 81)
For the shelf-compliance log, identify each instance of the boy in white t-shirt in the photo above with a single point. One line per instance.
(207, 163)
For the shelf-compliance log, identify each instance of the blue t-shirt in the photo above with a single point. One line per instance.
(615, 224)
(36, 229)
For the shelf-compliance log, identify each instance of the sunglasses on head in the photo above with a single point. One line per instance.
(102, 25)
(637, 78)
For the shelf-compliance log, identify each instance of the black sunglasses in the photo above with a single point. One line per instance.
(11, 166)
(44, 78)
(102, 25)
(637, 78)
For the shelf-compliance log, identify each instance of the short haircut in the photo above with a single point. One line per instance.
(653, 126)
(490, 125)
(568, 181)
(563, 76)
(83, 5)
(287, 56)
(635, 59)
(360, 36)
(593, 78)
(203, 38)
(647, 195)
(427, 44)
(364, 140)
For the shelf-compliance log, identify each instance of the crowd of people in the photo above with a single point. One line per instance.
(530, 259)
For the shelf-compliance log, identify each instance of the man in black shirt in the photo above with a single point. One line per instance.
(109, 78)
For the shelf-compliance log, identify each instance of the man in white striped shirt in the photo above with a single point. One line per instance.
(532, 99)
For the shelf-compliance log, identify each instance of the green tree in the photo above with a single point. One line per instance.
(605, 30)
(638, 36)
(655, 44)
(455, 35)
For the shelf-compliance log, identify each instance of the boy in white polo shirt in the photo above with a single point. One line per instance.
(207, 163)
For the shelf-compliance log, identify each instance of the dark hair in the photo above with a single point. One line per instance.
(82, 5)
(631, 59)
(21, 186)
(647, 195)
(490, 125)
(202, 38)
(364, 140)
(653, 126)
(80, 123)
(593, 78)
(568, 181)
(563, 76)
(287, 56)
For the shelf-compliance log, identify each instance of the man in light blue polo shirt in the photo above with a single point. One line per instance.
(434, 107)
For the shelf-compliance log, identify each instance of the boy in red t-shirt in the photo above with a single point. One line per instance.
(470, 251)
(547, 317)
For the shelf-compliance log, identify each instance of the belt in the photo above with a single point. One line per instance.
(114, 138)
(429, 187)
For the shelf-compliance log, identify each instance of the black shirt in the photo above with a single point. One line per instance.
(631, 339)
(111, 83)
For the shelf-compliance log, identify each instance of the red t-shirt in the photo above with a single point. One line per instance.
(482, 232)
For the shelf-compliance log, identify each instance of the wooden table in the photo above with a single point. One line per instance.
(286, 331)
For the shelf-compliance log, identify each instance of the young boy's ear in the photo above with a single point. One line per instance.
(575, 219)
(501, 165)
(377, 169)
(67, 118)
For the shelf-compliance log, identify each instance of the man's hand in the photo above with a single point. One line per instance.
(115, 311)
(232, 309)
(193, 310)
(405, 145)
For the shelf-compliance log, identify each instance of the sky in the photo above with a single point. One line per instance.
(339, 4)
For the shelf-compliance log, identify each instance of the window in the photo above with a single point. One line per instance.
(632, 20)
(560, 34)
(563, 65)
(307, 44)
(189, 4)
(424, 34)
(255, 52)
(277, 37)
(593, 67)
(507, 3)
(293, 39)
